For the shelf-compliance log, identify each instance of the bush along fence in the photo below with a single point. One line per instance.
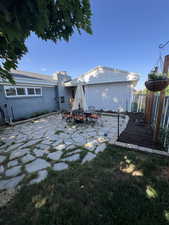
(152, 101)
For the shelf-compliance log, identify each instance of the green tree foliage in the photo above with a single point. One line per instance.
(48, 19)
(142, 91)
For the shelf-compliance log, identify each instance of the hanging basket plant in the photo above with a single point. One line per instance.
(156, 81)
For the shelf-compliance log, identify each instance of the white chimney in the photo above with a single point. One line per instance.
(61, 76)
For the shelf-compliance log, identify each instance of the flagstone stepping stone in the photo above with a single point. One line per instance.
(18, 153)
(70, 147)
(2, 158)
(55, 155)
(60, 147)
(30, 143)
(13, 171)
(13, 163)
(10, 183)
(3, 147)
(1, 169)
(72, 158)
(22, 140)
(68, 142)
(60, 166)
(88, 157)
(46, 142)
(36, 165)
(12, 147)
(53, 137)
(43, 147)
(91, 134)
(56, 143)
(100, 148)
(40, 177)
(27, 158)
(91, 145)
(79, 140)
(38, 152)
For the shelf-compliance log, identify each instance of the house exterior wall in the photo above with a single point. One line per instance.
(63, 92)
(23, 107)
(117, 96)
(66, 93)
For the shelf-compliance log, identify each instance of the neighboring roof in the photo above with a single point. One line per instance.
(102, 74)
(32, 78)
(31, 75)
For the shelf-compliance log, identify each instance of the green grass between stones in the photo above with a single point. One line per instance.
(118, 187)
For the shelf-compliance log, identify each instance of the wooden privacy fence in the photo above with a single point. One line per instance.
(139, 105)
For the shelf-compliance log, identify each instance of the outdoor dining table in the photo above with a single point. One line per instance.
(81, 116)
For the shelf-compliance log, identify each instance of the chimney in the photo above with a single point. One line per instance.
(61, 76)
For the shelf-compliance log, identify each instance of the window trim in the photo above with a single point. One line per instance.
(26, 92)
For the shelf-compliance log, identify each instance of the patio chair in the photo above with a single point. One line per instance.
(91, 115)
(78, 115)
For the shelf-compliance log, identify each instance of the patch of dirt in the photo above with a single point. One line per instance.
(138, 133)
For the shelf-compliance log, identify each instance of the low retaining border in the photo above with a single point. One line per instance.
(32, 119)
(140, 148)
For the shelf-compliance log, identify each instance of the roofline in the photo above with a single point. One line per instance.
(106, 68)
(32, 75)
(30, 78)
(29, 81)
(27, 84)
(114, 82)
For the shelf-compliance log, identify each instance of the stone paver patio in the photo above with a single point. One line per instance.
(50, 142)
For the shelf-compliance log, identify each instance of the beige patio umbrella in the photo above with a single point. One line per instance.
(80, 99)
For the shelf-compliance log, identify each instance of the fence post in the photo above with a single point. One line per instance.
(149, 105)
(161, 103)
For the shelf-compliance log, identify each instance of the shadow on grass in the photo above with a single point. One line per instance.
(119, 187)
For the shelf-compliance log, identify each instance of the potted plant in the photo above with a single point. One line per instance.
(156, 81)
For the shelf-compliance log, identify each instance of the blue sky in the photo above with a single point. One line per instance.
(126, 35)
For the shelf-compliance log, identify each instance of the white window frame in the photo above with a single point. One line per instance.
(26, 92)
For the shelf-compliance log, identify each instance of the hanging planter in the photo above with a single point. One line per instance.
(156, 81)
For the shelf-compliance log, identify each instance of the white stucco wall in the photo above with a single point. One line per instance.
(109, 96)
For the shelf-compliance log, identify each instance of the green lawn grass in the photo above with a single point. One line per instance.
(119, 187)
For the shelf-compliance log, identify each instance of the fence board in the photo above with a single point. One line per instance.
(140, 102)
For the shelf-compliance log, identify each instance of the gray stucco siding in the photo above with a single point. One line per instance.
(25, 107)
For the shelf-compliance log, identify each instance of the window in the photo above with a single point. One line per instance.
(31, 91)
(12, 91)
(38, 91)
(21, 91)
(62, 99)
